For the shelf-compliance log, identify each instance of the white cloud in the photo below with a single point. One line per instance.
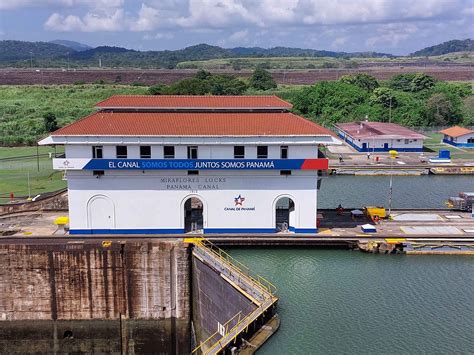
(99, 4)
(217, 14)
(91, 22)
(148, 19)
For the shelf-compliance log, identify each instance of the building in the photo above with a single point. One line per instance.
(367, 136)
(176, 164)
(458, 136)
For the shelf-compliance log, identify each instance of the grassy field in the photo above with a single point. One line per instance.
(14, 172)
(22, 107)
(316, 62)
(434, 144)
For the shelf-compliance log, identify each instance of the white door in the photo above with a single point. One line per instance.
(101, 213)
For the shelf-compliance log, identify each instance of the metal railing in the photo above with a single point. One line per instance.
(257, 287)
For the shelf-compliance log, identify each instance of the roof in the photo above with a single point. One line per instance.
(193, 102)
(192, 124)
(365, 129)
(456, 131)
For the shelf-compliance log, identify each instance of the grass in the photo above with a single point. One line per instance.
(14, 172)
(434, 143)
(315, 62)
(22, 107)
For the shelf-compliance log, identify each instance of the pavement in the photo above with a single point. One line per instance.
(405, 224)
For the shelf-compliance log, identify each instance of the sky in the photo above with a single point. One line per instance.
(388, 26)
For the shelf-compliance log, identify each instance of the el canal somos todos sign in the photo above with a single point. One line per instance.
(186, 164)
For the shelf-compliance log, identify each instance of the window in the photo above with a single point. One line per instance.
(262, 152)
(168, 152)
(284, 152)
(97, 152)
(239, 152)
(285, 172)
(98, 173)
(121, 151)
(193, 172)
(193, 152)
(145, 152)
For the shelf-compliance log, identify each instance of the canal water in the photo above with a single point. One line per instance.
(339, 301)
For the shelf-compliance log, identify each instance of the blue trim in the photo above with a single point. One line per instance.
(306, 230)
(127, 231)
(454, 144)
(182, 231)
(378, 150)
(239, 230)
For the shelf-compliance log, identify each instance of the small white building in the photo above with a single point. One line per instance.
(458, 136)
(367, 136)
(177, 164)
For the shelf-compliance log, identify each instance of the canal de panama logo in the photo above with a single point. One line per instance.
(239, 205)
(239, 200)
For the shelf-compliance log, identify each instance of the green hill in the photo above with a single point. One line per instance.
(456, 45)
(11, 51)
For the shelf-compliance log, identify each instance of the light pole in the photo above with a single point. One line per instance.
(393, 155)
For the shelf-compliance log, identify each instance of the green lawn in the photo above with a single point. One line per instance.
(434, 143)
(14, 172)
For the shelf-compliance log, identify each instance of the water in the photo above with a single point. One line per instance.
(425, 191)
(338, 301)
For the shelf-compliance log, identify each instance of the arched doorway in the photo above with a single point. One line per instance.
(193, 215)
(100, 213)
(284, 214)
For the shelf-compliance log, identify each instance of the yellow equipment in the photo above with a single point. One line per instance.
(61, 221)
(375, 212)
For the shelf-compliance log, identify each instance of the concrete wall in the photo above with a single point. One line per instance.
(133, 296)
(48, 201)
(152, 202)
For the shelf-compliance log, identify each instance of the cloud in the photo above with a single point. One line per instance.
(91, 22)
(217, 14)
(99, 4)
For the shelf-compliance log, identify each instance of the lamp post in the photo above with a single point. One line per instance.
(393, 155)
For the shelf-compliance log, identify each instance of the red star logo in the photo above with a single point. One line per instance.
(239, 200)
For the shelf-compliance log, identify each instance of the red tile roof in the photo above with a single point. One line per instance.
(456, 131)
(182, 101)
(192, 124)
(385, 130)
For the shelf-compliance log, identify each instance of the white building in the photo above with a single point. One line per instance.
(368, 136)
(175, 164)
(458, 136)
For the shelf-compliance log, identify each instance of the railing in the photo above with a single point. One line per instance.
(258, 288)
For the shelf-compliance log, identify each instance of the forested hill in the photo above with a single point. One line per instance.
(19, 53)
(48, 54)
(456, 45)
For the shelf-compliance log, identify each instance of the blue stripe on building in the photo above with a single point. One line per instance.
(462, 145)
(182, 231)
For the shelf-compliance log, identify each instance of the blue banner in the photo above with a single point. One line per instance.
(203, 164)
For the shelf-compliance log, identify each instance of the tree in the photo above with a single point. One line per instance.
(262, 80)
(362, 80)
(50, 122)
(421, 82)
(412, 82)
(226, 85)
(202, 74)
(158, 89)
(384, 97)
(439, 111)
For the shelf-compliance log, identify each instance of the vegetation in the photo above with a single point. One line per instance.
(22, 107)
(262, 80)
(203, 83)
(71, 54)
(28, 112)
(456, 45)
(15, 174)
(409, 99)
